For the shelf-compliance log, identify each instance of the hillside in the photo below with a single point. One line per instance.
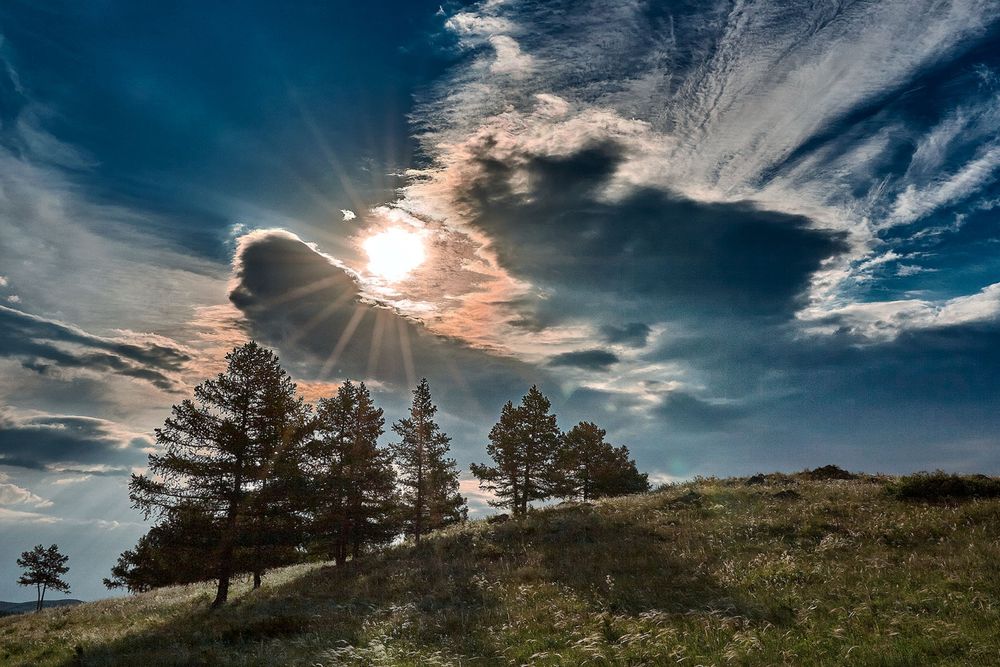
(26, 607)
(771, 570)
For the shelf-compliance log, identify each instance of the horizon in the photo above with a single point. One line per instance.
(739, 240)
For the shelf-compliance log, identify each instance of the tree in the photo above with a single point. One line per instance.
(352, 482)
(430, 497)
(43, 569)
(219, 452)
(591, 468)
(170, 553)
(523, 446)
(282, 425)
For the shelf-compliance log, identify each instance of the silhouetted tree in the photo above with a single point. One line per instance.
(523, 445)
(43, 569)
(353, 487)
(281, 427)
(172, 552)
(220, 450)
(430, 497)
(589, 467)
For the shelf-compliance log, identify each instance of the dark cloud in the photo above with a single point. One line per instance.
(70, 443)
(651, 253)
(687, 412)
(310, 308)
(591, 360)
(45, 345)
(633, 334)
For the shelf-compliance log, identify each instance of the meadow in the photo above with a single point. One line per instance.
(770, 570)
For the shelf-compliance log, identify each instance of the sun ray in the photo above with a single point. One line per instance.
(325, 312)
(406, 353)
(376, 343)
(345, 338)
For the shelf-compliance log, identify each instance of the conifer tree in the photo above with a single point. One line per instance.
(282, 426)
(43, 569)
(589, 467)
(218, 451)
(523, 445)
(352, 482)
(430, 497)
(172, 552)
(503, 479)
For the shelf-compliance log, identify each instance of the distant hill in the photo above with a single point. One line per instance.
(818, 568)
(7, 608)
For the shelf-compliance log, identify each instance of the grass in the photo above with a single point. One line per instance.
(940, 486)
(713, 572)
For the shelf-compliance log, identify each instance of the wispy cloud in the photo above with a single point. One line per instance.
(49, 346)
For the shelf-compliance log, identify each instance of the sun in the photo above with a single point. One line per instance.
(394, 253)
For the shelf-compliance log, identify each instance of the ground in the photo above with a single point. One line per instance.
(771, 570)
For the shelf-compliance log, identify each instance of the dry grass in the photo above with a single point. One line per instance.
(713, 572)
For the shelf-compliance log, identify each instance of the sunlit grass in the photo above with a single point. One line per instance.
(712, 572)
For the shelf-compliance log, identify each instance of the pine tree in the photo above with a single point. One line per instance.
(170, 553)
(503, 479)
(282, 426)
(43, 569)
(430, 498)
(352, 482)
(219, 451)
(523, 445)
(589, 467)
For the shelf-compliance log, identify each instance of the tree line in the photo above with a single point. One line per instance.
(251, 477)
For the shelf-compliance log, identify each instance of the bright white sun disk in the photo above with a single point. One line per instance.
(394, 253)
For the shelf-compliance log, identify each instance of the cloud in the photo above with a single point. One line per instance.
(632, 334)
(720, 105)
(348, 214)
(885, 320)
(592, 360)
(69, 443)
(477, 498)
(690, 413)
(47, 346)
(313, 309)
(12, 494)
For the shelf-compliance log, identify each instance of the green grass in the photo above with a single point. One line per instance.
(714, 572)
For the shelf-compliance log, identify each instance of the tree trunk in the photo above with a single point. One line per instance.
(417, 523)
(39, 596)
(225, 565)
(256, 579)
(225, 572)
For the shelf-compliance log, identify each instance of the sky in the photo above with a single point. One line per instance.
(740, 237)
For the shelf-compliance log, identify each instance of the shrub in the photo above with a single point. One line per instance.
(942, 486)
(827, 472)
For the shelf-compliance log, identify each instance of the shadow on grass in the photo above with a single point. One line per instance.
(447, 594)
(327, 608)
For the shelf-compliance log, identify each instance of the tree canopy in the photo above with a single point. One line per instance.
(429, 479)
(43, 569)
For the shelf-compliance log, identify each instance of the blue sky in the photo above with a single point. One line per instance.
(739, 237)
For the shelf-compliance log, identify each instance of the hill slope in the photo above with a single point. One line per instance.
(25, 607)
(712, 572)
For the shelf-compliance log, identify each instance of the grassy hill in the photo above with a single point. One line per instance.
(27, 607)
(771, 570)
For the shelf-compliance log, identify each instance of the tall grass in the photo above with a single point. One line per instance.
(713, 572)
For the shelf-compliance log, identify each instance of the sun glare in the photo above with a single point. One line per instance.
(394, 253)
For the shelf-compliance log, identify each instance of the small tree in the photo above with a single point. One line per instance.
(523, 445)
(589, 467)
(43, 569)
(429, 479)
